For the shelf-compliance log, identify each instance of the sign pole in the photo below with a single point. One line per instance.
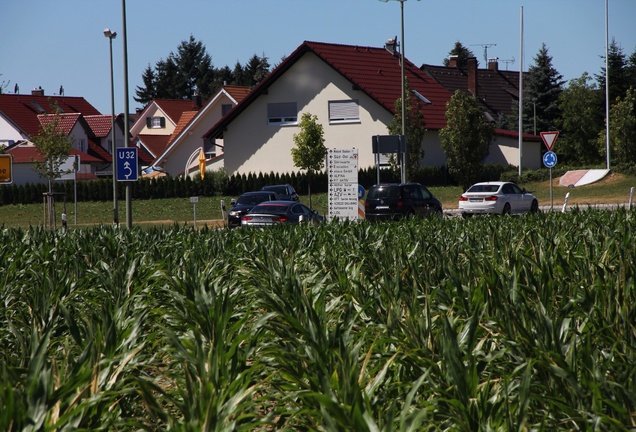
(550, 188)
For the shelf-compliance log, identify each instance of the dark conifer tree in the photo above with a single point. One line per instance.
(462, 53)
(543, 87)
(619, 80)
(148, 92)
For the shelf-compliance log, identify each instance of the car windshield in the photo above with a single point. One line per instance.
(282, 190)
(270, 209)
(252, 199)
(484, 188)
(384, 193)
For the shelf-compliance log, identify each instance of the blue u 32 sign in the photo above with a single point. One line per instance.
(127, 164)
(549, 159)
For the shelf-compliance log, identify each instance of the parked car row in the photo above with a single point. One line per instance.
(390, 201)
(271, 205)
(386, 201)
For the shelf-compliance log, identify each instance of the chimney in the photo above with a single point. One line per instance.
(493, 64)
(196, 99)
(471, 68)
(452, 61)
(37, 92)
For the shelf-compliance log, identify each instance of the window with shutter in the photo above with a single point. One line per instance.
(347, 111)
(283, 113)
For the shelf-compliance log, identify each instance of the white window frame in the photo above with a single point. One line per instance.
(344, 111)
(282, 113)
(155, 122)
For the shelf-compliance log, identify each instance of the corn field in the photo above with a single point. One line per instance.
(485, 324)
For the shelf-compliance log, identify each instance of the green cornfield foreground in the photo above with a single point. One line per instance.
(485, 324)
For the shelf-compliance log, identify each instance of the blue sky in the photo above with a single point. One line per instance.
(51, 43)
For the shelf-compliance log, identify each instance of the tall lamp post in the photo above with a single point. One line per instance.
(112, 35)
(403, 97)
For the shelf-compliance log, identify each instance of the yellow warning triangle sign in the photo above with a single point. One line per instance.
(549, 138)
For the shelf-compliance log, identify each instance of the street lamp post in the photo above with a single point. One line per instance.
(112, 35)
(403, 97)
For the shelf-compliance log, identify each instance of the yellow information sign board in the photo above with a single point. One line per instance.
(6, 168)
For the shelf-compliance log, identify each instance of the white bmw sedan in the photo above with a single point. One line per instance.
(496, 198)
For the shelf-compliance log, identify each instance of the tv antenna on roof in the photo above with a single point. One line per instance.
(509, 61)
(486, 46)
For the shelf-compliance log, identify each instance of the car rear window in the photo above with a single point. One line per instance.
(383, 193)
(484, 188)
(270, 208)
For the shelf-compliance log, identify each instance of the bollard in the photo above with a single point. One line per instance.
(223, 212)
(631, 196)
(64, 226)
(565, 202)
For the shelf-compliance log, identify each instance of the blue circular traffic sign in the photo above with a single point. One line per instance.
(549, 159)
(361, 191)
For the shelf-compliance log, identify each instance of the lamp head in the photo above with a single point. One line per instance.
(110, 34)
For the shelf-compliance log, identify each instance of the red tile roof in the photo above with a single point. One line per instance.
(99, 124)
(23, 109)
(374, 71)
(30, 153)
(66, 122)
(238, 93)
(184, 120)
(497, 90)
(94, 149)
(515, 134)
(145, 157)
(174, 107)
(154, 144)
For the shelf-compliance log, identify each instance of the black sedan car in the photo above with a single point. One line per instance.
(245, 203)
(280, 212)
(285, 192)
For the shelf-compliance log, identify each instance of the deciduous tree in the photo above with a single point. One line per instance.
(415, 130)
(310, 151)
(466, 138)
(581, 120)
(622, 129)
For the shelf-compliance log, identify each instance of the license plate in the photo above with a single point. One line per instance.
(382, 207)
(476, 200)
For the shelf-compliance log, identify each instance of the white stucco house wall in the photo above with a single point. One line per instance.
(352, 90)
(187, 139)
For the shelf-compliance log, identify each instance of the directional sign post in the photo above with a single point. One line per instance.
(127, 164)
(342, 172)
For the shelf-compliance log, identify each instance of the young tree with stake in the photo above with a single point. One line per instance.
(310, 151)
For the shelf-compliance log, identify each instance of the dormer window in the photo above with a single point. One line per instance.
(155, 122)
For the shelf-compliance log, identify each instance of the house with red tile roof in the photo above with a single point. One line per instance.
(156, 123)
(351, 89)
(23, 115)
(497, 92)
(182, 149)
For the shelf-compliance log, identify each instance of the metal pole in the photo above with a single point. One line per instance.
(113, 145)
(126, 131)
(607, 100)
(550, 188)
(521, 90)
(403, 95)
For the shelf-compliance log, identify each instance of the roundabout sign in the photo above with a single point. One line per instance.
(550, 159)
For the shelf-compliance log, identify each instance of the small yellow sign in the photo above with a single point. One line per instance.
(6, 165)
